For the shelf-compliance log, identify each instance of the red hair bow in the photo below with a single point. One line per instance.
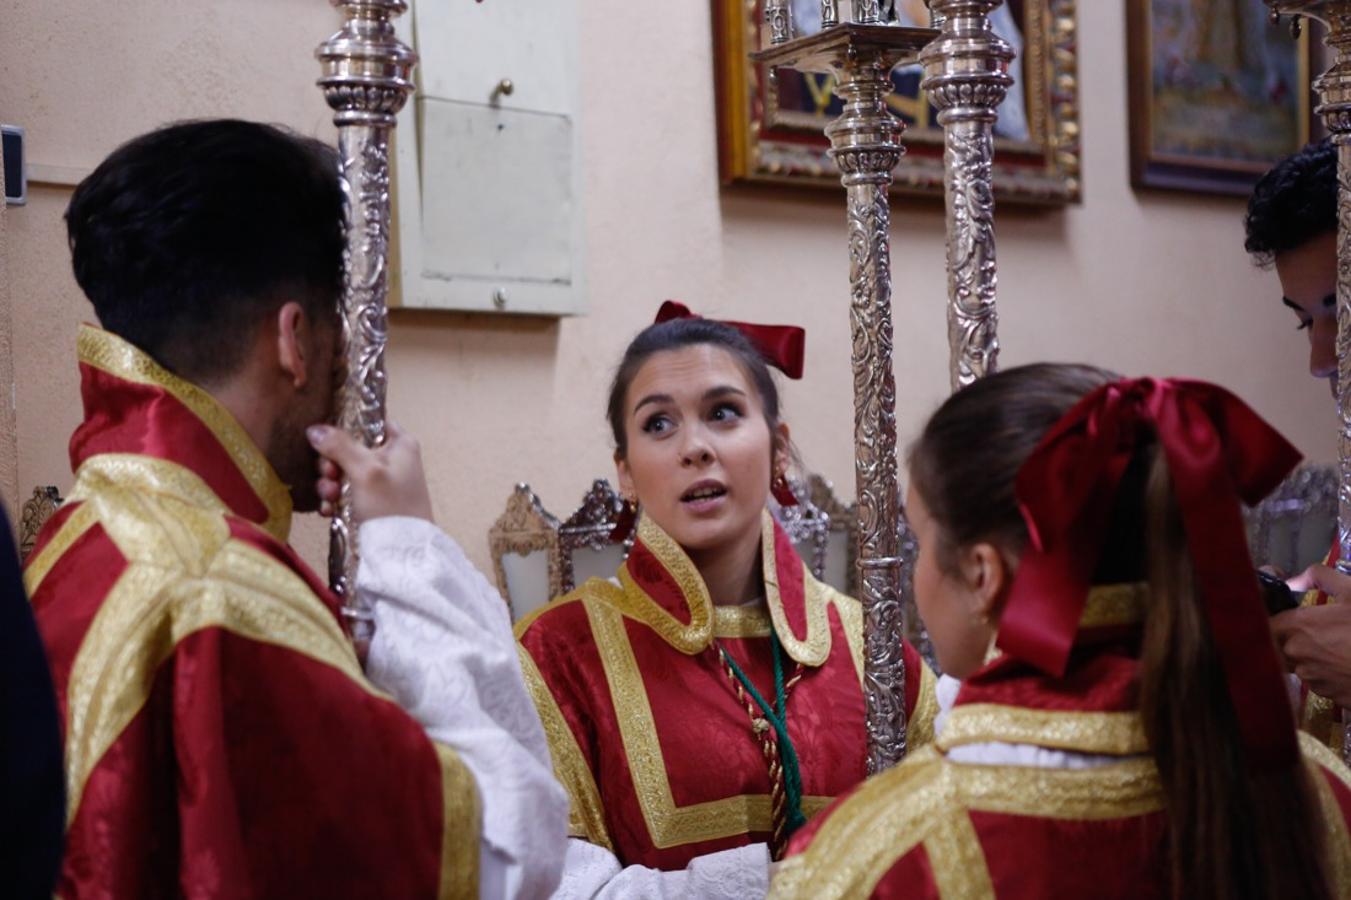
(1219, 451)
(782, 346)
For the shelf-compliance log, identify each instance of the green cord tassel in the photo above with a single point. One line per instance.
(792, 772)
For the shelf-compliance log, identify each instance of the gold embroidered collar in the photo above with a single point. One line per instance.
(661, 588)
(114, 356)
(1083, 731)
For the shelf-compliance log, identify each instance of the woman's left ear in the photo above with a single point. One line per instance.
(782, 456)
(987, 576)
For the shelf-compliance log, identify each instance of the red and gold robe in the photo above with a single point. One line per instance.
(1318, 715)
(220, 738)
(645, 730)
(935, 828)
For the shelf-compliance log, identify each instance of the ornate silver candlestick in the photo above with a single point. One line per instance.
(965, 78)
(865, 144)
(366, 79)
(1334, 90)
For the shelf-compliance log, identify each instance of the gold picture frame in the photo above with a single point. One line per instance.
(766, 135)
(1209, 115)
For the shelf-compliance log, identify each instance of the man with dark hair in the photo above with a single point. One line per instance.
(1292, 225)
(221, 737)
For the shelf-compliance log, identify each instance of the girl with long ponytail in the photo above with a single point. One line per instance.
(1121, 727)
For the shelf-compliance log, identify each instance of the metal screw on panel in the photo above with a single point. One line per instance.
(505, 88)
(500, 298)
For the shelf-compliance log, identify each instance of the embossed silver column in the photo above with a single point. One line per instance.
(966, 77)
(1334, 92)
(865, 144)
(366, 79)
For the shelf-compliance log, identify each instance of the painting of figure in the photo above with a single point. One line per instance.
(1218, 93)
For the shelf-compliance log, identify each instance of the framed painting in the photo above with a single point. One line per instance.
(1217, 93)
(771, 131)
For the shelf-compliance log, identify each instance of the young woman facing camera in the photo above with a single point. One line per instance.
(1123, 727)
(703, 707)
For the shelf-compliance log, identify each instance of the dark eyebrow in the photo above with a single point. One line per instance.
(723, 390)
(651, 398)
(1292, 304)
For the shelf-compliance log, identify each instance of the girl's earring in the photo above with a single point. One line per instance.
(782, 490)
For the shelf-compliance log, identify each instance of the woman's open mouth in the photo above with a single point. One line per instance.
(703, 497)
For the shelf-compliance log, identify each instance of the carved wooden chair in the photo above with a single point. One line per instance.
(37, 510)
(1295, 525)
(807, 525)
(524, 543)
(593, 542)
(841, 550)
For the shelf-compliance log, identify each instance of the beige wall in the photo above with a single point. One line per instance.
(1144, 284)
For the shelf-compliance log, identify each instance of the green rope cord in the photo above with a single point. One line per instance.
(792, 773)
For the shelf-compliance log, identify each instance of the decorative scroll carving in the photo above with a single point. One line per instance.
(830, 13)
(525, 527)
(842, 518)
(593, 526)
(37, 509)
(867, 12)
(366, 79)
(866, 146)
(966, 78)
(779, 15)
(806, 523)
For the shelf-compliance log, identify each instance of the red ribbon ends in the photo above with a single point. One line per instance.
(1219, 452)
(782, 346)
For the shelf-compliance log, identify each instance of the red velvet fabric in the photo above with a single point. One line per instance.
(708, 752)
(783, 346)
(1219, 452)
(1033, 856)
(251, 769)
(125, 417)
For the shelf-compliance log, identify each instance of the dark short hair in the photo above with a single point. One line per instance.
(673, 335)
(184, 239)
(1293, 203)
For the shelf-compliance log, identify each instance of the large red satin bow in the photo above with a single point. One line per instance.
(782, 346)
(1218, 451)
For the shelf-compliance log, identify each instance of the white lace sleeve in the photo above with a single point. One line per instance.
(593, 873)
(444, 650)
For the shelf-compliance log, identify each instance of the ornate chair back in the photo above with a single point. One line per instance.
(37, 510)
(524, 543)
(841, 548)
(808, 525)
(1295, 525)
(595, 540)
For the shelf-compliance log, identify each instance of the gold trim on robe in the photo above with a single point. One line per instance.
(111, 354)
(688, 623)
(185, 572)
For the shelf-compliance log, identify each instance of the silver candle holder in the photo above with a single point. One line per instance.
(866, 145)
(367, 76)
(1334, 93)
(966, 77)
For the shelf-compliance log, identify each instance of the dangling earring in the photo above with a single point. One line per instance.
(625, 519)
(782, 490)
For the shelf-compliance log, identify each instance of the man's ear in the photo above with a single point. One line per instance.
(986, 575)
(293, 339)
